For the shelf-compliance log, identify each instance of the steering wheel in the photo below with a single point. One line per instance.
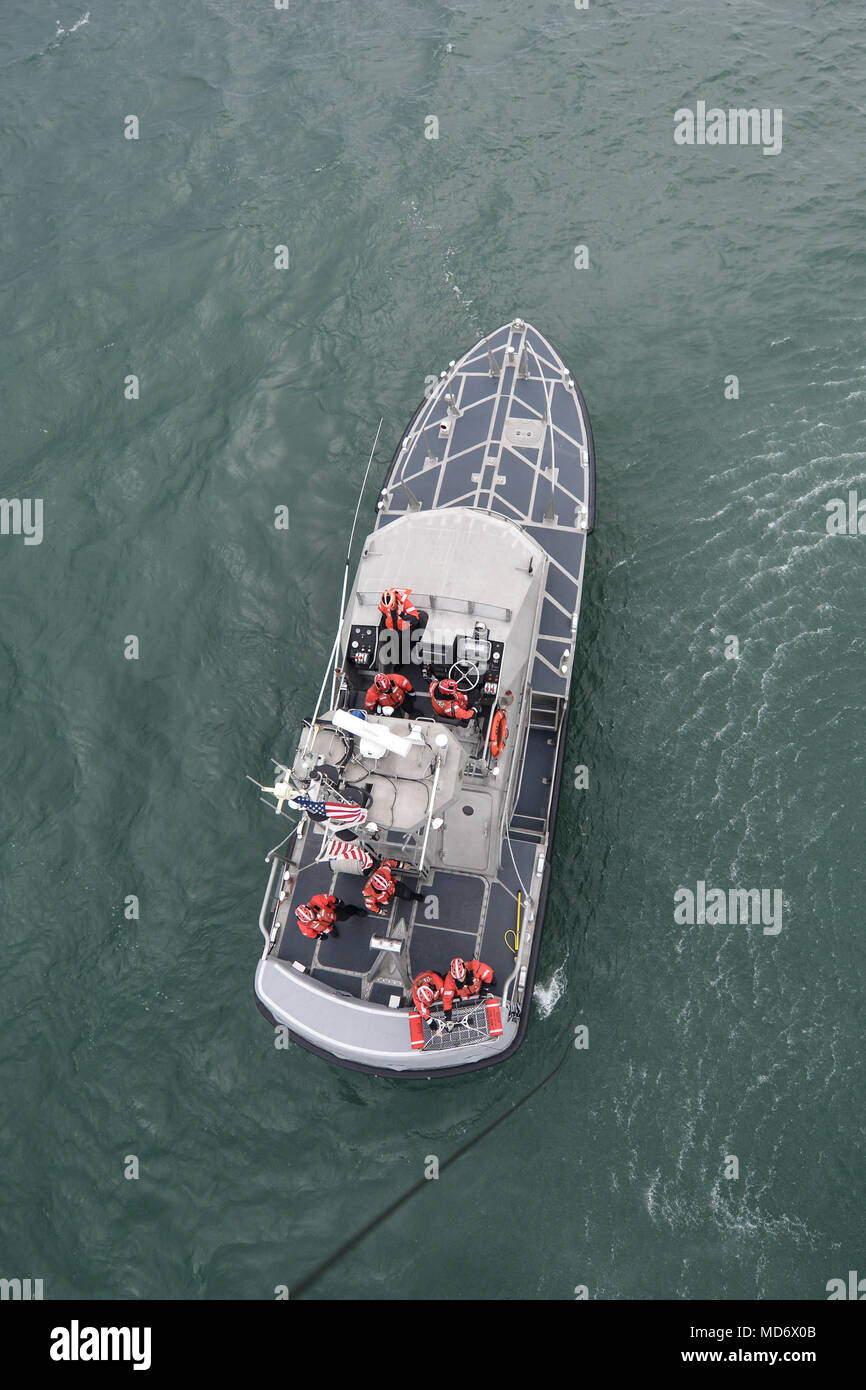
(465, 674)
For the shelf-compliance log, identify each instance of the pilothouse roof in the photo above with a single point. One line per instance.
(459, 554)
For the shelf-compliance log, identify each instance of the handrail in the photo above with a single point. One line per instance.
(265, 905)
(439, 603)
(430, 814)
(548, 402)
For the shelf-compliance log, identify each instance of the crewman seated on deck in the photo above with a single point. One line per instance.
(382, 886)
(426, 990)
(390, 695)
(318, 916)
(448, 701)
(399, 611)
(465, 979)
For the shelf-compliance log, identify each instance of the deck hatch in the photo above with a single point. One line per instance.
(524, 434)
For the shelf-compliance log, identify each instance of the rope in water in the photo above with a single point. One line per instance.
(315, 1275)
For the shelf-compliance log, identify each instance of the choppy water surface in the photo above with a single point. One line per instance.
(155, 257)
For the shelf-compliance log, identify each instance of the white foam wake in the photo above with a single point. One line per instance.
(548, 996)
(79, 23)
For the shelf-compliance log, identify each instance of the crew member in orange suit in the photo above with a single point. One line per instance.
(448, 701)
(465, 979)
(399, 611)
(319, 916)
(426, 989)
(382, 886)
(390, 695)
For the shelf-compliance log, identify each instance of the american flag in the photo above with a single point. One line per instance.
(339, 812)
(343, 849)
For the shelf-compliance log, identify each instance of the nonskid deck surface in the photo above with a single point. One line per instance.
(458, 917)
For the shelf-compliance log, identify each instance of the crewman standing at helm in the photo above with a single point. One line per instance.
(426, 989)
(449, 701)
(382, 886)
(465, 979)
(390, 695)
(399, 611)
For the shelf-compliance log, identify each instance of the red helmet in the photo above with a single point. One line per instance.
(379, 882)
(304, 913)
(389, 598)
(447, 687)
(458, 969)
(426, 995)
(382, 683)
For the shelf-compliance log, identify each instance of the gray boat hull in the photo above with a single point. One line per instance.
(491, 488)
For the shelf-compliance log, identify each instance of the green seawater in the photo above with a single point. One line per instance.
(260, 388)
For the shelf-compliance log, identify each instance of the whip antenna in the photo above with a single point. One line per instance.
(349, 552)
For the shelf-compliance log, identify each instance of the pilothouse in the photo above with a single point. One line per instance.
(403, 913)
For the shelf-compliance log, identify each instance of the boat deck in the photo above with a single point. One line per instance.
(460, 915)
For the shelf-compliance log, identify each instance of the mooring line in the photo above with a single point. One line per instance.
(315, 1275)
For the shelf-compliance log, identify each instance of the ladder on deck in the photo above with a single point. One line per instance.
(545, 711)
(528, 827)
(545, 715)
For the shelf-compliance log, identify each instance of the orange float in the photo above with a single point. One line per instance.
(498, 733)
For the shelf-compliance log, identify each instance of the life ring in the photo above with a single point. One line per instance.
(498, 733)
